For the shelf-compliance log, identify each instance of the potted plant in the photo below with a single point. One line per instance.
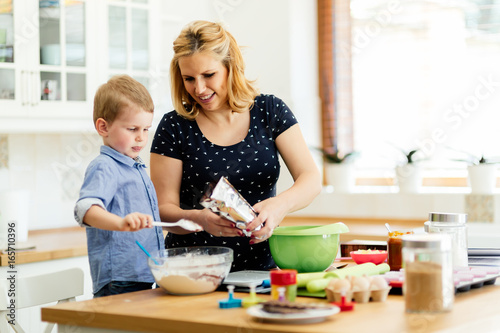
(339, 169)
(409, 172)
(481, 173)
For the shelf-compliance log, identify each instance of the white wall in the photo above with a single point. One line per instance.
(50, 167)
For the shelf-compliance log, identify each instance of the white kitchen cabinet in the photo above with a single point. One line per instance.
(56, 53)
(46, 79)
(30, 318)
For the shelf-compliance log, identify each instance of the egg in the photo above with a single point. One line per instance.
(331, 284)
(360, 283)
(341, 285)
(378, 283)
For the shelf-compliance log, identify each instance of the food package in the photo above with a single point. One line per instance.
(224, 200)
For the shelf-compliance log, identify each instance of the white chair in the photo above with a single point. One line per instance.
(62, 286)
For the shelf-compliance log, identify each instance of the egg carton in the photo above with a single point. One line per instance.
(464, 278)
(358, 296)
(358, 289)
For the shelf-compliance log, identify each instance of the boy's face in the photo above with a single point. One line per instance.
(128, 133)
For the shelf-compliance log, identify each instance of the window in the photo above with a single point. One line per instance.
(425, 74)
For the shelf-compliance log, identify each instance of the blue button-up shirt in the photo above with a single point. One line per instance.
(120, 185)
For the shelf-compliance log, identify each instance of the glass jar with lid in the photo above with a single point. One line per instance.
(455, 225)
(428, 282)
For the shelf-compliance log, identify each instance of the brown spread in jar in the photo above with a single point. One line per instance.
(424, 287)
(394, 250)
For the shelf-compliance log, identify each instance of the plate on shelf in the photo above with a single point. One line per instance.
(308, 317)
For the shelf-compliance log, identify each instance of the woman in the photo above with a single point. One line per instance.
(222, 126)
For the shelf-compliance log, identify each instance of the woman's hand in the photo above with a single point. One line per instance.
(271, 212)
(166, 174)
(216, 225)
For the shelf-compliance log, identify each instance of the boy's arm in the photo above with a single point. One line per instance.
(98, 217)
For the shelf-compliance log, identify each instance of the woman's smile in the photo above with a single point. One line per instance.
(205, 79)
(206, 98)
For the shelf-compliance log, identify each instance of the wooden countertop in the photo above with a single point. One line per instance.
(155, 311)
(50, 244)
(70, 242)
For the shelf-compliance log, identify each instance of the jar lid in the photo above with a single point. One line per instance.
(284, 277)
(443, 226)
(447, 217)
(427, 241)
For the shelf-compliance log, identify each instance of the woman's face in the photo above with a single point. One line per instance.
(205, 79)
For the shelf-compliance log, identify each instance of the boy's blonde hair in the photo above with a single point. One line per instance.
(204, 36)
(118, 92)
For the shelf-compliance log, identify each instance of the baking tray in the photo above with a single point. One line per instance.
(483, 251)
(462, 286)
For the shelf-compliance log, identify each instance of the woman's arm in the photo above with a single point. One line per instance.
(307, 184)
(166, 174)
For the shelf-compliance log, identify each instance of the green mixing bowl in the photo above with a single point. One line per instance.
(306, 248)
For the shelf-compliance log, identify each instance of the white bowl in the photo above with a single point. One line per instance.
(50, 54)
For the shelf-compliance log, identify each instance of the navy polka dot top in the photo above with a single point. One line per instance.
(251, 166)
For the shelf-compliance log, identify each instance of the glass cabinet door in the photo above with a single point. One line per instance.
(140, 41)
(128, 38)
(7, 71)
(62, 50)
(117, 20)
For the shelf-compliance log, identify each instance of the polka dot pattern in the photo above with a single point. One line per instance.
(251, 165)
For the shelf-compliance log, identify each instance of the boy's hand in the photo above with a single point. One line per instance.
(135, 221)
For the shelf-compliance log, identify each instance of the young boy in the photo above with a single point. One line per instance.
(117, 194)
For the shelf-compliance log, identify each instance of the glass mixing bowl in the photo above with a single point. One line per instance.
(191, 270)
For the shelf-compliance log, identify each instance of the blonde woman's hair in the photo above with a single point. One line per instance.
(118, 92)
(204, 36)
